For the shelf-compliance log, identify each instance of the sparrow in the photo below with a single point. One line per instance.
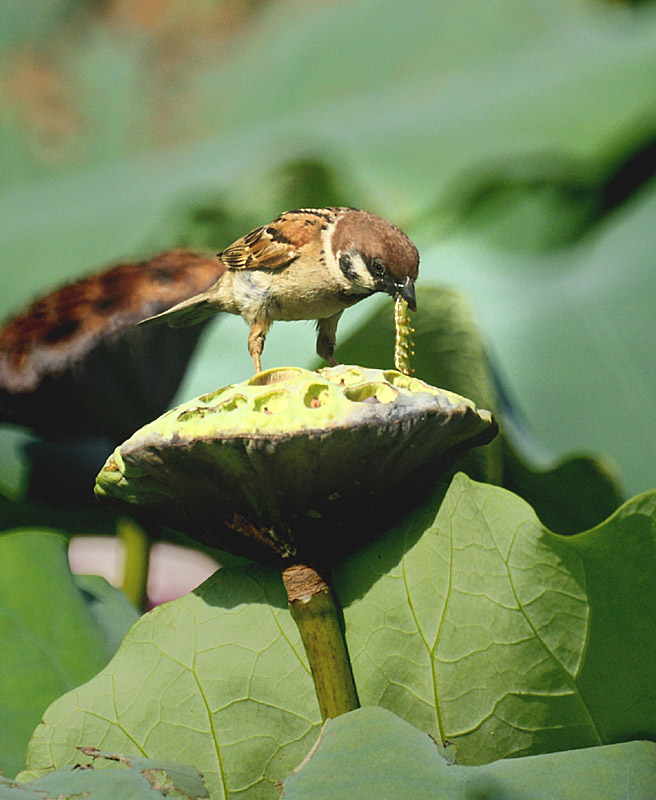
(310, 263)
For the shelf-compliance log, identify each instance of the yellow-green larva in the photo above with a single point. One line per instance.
(403, 344)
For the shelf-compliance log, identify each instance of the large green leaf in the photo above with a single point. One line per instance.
(56, 632)
(470, 620)
(371, 754)
(411, 118)
(535, 77)
(494, 633)
(216, 679)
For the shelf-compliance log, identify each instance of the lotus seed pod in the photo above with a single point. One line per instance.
(293, 463)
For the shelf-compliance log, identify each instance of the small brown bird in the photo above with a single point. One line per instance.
(306, 264)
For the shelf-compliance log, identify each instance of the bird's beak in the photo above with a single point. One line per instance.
(407, 292)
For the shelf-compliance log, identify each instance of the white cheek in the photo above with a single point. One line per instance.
(364, 277)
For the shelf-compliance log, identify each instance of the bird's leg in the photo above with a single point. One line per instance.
(327, 328)
(256, 338)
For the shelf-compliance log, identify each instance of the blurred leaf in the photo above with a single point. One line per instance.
(29, 20)
(310, 183)
(470, 620)
(524, 202)
(552, 199)
(536, 79)
(55, 633)
(67, 520)
(127, 777)
(572, 329)
(204, 222)
(575, 495)
(371, 754)
(110, 609)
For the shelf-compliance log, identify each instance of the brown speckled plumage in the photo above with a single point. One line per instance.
(74, 360)
(305, 264)
(60, 327)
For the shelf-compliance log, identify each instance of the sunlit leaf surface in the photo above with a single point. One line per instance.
(470, 620)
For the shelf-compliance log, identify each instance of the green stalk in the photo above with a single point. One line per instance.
(314, 608)
(136, 544)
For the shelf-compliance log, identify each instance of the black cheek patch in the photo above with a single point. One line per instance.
(347, 268)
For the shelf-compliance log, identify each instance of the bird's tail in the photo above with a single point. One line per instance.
(188, 312)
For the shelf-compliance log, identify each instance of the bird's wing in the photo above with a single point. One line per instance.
(276, 245)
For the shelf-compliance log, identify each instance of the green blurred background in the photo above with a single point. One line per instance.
(514, 140)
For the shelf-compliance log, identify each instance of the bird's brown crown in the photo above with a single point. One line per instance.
(376, 238)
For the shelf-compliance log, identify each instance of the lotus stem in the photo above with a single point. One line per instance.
(314, 608)
(136, 543)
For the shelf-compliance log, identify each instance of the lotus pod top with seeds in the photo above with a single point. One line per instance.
(293, 463)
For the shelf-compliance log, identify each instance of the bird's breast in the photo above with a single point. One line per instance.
(250, 293)
(287, 294)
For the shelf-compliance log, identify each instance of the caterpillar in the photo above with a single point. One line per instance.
(403, 346)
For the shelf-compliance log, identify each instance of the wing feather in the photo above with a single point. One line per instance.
(276, 245)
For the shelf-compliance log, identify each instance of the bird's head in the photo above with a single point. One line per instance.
(375, 256)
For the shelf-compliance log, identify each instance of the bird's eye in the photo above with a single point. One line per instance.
(379, 269)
